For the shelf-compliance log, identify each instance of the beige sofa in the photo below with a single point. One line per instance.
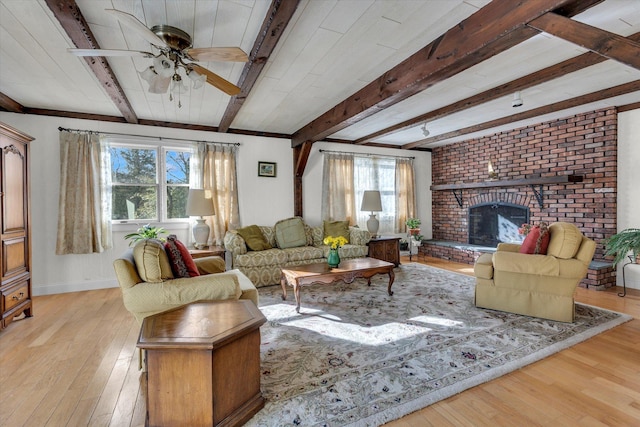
(145, 298)
(535, 285)
(264, 267)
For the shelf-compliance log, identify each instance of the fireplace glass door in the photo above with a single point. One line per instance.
(492, 223)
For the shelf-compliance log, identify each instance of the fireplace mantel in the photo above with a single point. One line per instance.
(510, 182)
(532, 182)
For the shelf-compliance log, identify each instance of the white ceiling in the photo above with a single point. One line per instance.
(330, 49)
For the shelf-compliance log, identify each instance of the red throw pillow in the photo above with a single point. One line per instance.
(536, 242)
(182, 263)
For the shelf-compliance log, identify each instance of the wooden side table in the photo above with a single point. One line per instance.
(203, 364)
(386, 249)
(208, 251)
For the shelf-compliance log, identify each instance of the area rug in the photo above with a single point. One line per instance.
(355, 356)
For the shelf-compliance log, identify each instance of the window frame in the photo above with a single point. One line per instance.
(161, 184)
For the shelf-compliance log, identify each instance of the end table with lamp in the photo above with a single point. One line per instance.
(199, 205)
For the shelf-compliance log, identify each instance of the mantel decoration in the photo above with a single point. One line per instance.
(334, 243)
(146, 232)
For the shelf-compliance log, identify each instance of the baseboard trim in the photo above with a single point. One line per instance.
(63, 288)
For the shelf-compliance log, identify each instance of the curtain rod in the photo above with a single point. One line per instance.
(60, 128)
(366, 154)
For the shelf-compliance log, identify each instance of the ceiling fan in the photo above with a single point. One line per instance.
(175, 57)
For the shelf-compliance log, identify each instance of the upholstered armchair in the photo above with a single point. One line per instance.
(535, 285)
(149, 287)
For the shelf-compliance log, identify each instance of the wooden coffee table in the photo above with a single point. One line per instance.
(348, 270)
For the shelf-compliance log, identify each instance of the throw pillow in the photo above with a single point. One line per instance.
(182, 263)
(566, 239)
(537, 241)
(290, 233)
(337, 228)
(254, 238)
(152, 261)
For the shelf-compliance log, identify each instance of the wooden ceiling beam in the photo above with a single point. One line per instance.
(10, 105)
(277, 19)
(491, 30)
(577, 101)
(547, 74)
(76, 27)
(605, 43)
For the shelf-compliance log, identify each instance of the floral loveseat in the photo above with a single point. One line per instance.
(264, 266)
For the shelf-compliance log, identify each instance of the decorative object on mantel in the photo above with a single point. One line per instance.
(334, 243)
(199, 205)
(493, 175)
(535, 184)
(371, 203)
(619, 245)
(146, 232)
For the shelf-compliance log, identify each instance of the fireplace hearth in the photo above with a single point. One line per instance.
(495, 222)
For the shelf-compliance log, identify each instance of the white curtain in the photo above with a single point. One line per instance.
(338, 196)
(214, 170)
(405, 185)
(84, 214)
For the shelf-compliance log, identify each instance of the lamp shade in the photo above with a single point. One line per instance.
(198, 204)
(371, 201)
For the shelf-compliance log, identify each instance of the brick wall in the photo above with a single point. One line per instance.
(585, 144)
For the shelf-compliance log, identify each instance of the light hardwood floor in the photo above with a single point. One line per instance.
(75, 363)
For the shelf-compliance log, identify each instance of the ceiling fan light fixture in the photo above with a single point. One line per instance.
(198, 79)
(163, 66)
(159, 84)
(178, 86)
(148, 74)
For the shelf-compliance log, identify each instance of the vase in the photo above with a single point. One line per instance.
(334, 258)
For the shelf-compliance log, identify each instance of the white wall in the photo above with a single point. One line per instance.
(53, 273)
(629, 184)
(262, 200)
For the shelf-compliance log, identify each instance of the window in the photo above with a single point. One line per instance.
(374, 173)
(149, 183)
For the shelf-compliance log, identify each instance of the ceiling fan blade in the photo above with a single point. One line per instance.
(206, 54)
(134, 24)
(109, 52)
(217, 81)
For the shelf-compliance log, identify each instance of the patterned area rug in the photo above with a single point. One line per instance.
(356, 356)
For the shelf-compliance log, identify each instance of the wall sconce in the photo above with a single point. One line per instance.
(492, 173)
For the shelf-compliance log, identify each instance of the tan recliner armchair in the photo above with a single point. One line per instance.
(535, 285)
(144, 298)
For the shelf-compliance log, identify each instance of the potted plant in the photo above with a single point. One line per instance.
(418, 239)
(146, 232)
(619, 245)
(413, 224)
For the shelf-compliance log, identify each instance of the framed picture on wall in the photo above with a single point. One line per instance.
(267, 169)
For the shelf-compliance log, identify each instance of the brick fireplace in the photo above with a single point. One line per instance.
(584, 145)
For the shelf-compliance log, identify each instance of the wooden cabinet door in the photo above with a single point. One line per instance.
(13, 208)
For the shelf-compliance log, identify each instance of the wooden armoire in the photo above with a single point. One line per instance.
(15, 237)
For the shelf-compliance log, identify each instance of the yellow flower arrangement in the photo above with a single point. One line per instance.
(335, 242)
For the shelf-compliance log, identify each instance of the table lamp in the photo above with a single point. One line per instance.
(199, 205)
(371, 202)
